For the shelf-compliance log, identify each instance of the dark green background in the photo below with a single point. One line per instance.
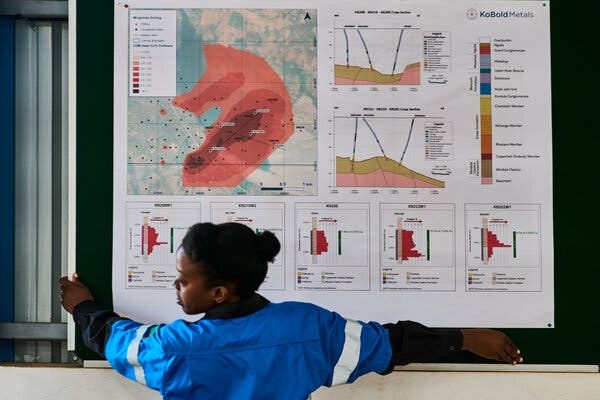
(575, 338)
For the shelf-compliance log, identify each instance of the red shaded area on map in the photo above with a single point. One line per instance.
(256, 117)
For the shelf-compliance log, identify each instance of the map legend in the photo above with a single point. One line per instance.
(135, 75)
(152, 52)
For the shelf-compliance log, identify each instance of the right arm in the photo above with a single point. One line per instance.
(95, 322)
(133, 349)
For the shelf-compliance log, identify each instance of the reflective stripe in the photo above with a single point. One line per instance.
(350, 353)
(132, 354)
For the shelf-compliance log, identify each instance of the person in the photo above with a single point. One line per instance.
(246, 347)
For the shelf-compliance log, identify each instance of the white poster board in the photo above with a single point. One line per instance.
(401, 152)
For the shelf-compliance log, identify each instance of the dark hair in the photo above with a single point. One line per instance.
(231, 252)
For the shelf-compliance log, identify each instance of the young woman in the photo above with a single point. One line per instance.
(246, 347)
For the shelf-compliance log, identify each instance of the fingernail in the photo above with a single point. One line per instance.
(518, 351)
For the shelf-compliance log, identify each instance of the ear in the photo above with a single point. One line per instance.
(220, 294)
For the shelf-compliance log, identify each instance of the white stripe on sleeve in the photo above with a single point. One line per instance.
(350, 353)
(132, 354)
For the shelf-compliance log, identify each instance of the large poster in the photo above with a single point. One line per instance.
(400, 151)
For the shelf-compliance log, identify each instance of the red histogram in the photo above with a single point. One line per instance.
(489, 241)
(493, 242)
(149, 238)
(503, 247)
(318, 240)
(332, 238)
(407, 246)
(319, 244)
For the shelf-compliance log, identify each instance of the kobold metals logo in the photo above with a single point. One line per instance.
(471, 13)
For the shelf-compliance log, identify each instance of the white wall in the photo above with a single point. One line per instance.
(57, 383)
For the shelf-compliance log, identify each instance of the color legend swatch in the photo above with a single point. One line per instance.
(135, 75)
(152, 52)
(485, 108)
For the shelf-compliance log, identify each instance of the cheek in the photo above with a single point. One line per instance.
(186, 293)
(195, 298)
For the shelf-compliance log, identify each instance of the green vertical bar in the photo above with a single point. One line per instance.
(514, 244)
(171, 240)
(340, 243)
(428, 249)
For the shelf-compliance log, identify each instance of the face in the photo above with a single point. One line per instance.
(193, 294)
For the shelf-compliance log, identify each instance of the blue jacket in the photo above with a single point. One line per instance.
(254, 349)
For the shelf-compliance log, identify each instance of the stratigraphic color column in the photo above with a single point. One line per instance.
(485, 109)
(399, 244)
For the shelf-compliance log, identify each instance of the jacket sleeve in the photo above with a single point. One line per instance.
(413, 342)
(95, 323)
(132, 349)
(352, 348)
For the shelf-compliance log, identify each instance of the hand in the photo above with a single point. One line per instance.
(491, 344)
(73, 292)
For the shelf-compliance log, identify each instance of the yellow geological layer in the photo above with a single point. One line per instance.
(343, 165)
(369, 75)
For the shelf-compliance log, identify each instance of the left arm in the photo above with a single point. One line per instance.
(414, 342)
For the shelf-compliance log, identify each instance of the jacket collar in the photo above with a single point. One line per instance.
(240, 309)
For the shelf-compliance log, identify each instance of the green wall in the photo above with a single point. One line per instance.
(575, 338)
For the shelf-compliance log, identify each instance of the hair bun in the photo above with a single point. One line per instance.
(268, 245)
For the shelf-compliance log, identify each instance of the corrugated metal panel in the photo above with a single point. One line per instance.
(26, 172)
(39, 178)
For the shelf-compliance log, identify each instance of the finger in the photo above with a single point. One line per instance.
(512, 351)
(516, 355)
(75, 280)
(509, 342)
(504, 356)
(515, 352)
(513, 358)
(64, 282)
